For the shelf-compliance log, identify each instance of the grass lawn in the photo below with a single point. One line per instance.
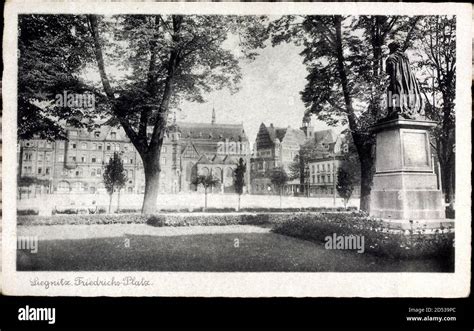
(138, 247)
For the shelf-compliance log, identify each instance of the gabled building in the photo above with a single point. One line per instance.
(275, 147)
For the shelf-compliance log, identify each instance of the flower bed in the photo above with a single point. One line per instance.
(378, 239)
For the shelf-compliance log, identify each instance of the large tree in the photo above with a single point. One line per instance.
(436, 49)
(146, 64)
(346, 81)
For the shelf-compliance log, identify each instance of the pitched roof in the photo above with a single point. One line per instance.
(326, 136)
(213, 132)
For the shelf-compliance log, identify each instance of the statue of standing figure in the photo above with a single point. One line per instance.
(404, 98)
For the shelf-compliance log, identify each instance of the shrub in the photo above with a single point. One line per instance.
(22, 212)
(67, 211)
(378, 239)
(450, 213)
(129, 211)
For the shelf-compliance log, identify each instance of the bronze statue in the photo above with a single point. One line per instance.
(403, 94)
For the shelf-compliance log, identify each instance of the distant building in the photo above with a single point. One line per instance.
(275, 147)
(278, 147)
(324, 167)
(77, 165)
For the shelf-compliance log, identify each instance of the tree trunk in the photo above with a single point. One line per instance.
(152, 185)
(366, 178)
(361, 141)
(110, 202)
(118, 201)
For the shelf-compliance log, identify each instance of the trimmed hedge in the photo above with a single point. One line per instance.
(378, 239)
(23, 212)
(157, 220)
(81, 219)
(193, 220)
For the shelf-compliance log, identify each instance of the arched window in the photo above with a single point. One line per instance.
(229, 172)
(204, 171)
(217, 172)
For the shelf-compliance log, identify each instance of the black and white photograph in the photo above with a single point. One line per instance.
(226, 144)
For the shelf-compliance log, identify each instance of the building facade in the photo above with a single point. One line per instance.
(278, 147)
(323, 168)
(76, 165)
(275, 147)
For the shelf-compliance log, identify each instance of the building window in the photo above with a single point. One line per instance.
(312, 178)
(60, 144)
(83, 159)
(93, 172)
(116, 147)
(48, 157)
(28, 156)
(73, 133)
(40, 156)
(93, 159)
(329, 178)
(163, 149)
(317, 167)
(113, 135)
(108, 147)
(99, 172)
(97, 134)
(39, 170)
(48, 144)
(99, 147)
(47, 171)
(73, 145)
(130, 173)
(131, 161)
(41, 144)
(163, 160)
(60, 158)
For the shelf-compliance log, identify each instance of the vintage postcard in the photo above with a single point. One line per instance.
(236, 149)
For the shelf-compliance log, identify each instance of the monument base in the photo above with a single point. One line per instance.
(405, 184)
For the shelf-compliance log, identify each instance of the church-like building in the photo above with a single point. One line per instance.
(77, 165)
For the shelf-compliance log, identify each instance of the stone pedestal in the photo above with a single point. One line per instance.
(405, 185)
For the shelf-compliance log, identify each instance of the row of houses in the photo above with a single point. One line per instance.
(76, 165)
